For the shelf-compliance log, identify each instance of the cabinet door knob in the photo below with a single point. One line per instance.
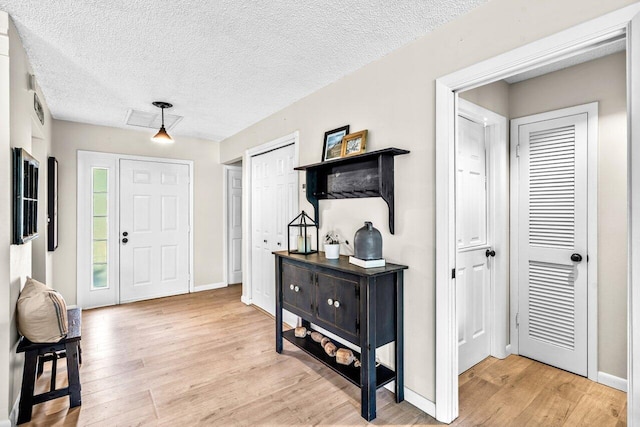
(291, 286)
(330, 301)
(336, 304)
(296, 289)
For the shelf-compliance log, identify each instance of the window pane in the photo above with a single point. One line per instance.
(99, 180)
(99, 228)
(100, 251)
(100, 276)
(100, 204)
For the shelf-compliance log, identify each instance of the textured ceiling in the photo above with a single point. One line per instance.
(224, 64)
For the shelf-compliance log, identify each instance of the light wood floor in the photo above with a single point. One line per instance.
(208, 359)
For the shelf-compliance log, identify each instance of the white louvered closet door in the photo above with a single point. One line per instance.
(552, 228)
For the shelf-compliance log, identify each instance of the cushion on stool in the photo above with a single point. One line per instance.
(42, 313)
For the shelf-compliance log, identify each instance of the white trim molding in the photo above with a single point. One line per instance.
(564, 44)
(417, 400)
(210, 286)
(612, 381)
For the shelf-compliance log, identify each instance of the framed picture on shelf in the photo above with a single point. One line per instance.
(332, 148)
(354, 143)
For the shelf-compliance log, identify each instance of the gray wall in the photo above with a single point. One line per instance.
(394, 98)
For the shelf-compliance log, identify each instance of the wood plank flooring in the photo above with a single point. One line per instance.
(208, 359)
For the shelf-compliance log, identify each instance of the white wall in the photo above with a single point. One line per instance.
(394, 98)
(69, 137)
(16, 110)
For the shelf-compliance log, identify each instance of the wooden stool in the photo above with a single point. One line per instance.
(35, 357)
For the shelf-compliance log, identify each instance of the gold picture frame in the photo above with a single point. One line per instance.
(354, 143)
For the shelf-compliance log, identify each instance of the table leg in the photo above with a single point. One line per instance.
(28, 385)
(368, 350)
(399, 338)
(278, 304)
(73, 374)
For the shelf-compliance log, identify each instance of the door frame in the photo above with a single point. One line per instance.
(82, 245)
(497, 164)
(225, 219)
(533, 55)
(591, 109)
(247, 168)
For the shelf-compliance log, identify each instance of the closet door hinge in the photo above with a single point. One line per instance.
(453, 273)
(517, 320)
(518, 150)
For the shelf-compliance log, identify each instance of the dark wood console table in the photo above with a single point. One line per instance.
(362, 306)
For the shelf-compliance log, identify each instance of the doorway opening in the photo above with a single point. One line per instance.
(233, 222)
(134, 228)
(604, 30)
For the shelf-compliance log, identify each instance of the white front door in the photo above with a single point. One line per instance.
(273, 206)
(154, 229)
(552, 238)
(473, 276)
(234, 225)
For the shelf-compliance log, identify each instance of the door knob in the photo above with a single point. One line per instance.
(330, 301)
(576, 257)
(125, 233)
(296, 289)
(265, 241)
(490, 252)
(125, 240)
(336, 304)
(279, 243)
(291, 286)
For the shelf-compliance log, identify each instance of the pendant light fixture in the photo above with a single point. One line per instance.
(162, 136)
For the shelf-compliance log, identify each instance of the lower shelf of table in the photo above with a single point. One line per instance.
(384, 375)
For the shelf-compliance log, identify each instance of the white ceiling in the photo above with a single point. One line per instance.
(224, 64)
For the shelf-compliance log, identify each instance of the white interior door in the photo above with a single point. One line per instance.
(552, 252)
(473, 276)
(154, 229)
(273, 196)
(234, 225)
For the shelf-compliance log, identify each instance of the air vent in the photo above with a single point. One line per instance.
(151, 120)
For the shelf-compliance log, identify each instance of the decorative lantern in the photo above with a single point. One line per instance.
(301, 231)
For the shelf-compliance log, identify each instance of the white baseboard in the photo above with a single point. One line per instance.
(420, 402)
(612, 381)
(13, 415)
(425, 405)
(210, 286)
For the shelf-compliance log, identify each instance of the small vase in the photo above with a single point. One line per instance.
(332, 251)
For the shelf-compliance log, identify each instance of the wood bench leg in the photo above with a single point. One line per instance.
(73, 374)
(28, 385)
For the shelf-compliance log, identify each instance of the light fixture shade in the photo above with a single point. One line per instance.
(162, 137)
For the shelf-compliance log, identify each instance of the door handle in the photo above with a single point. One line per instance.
(125, 240)
(490, 252)
(576, 257)
(265, 241)
(125, 233)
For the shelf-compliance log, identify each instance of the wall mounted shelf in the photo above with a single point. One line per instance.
(365, 175)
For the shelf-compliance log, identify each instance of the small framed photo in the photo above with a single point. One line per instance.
(333, 143)
(354, 143)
